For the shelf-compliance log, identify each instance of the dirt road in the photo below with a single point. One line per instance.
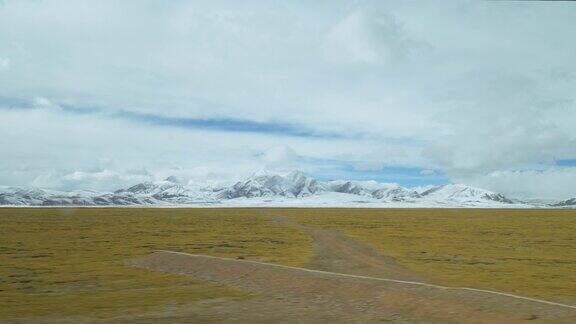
(343, 284)
(335, 252)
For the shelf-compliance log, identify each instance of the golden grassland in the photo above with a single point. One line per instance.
(71, 262)
(528, 252)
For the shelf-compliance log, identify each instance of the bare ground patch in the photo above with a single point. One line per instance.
(328, 291)
(336, 252)
(344, 298)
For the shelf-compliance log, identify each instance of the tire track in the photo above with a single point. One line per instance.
(416, 283)
(358, 298)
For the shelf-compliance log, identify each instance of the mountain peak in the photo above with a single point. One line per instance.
(463, 193)
(566, 203)
(262, 173)
(174, 179)
(266, 187)
(266, 183)
(296, 175)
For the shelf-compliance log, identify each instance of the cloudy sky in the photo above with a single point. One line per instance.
(103, 94)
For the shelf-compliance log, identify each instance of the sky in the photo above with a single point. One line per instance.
(104, 94)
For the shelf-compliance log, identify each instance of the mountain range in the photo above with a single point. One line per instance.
(271, 189)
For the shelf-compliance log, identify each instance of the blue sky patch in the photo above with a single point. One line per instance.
(213, 124)
(566, 162)
(404, 176)
(228, 125)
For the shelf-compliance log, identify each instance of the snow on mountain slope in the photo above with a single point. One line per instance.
(396, 193)
(566, 203)
(22, 196)
(464, 194)
(169, 190)
(294, 184)
(269, 189)
(363, 188)
(421, 189)
(41, 197)
(384, 191)
(344, 200)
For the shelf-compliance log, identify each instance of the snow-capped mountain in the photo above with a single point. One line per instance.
(363, 188)
(270, 189)
(22, 196)
(39, 197)
(170, 190)
(294, 184)
(396, 193)
(460, 193)
(384, 191)
(566, 203)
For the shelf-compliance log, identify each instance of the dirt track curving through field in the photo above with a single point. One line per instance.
(346, 282)
(335, 252)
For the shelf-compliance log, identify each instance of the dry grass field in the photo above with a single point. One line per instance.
(71, 263)
(528, 252)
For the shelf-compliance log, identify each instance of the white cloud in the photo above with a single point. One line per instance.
(281, 156)
(369, 37)
(66, 151)
(547, 184)
(41, 102)
(428, 172)
(96, 180)
(439, 85)
(4, 63)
